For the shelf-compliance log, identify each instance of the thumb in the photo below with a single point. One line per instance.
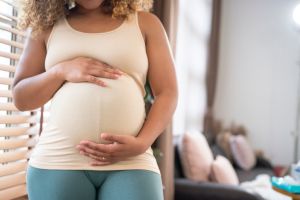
(113, 138)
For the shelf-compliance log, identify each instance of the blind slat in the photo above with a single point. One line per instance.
(9, 16)
(17, 143)
(7, 21)
(12, 43)
(6, 81)
(17, 131)
(5, 93)
(13, 56)
(14, 192)
(13, 168)
(13, 30)
(8, 107)
(12, 180)
(9, 3)
(7, 68)
(12, 156)
(18, 119)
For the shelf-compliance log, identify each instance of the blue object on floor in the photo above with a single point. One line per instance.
(280, 183)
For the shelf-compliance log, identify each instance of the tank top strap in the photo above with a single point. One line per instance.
(133, 19)
(137, 28)
(57, 25)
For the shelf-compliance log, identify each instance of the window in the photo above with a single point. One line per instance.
(194, 30)
(18, 130)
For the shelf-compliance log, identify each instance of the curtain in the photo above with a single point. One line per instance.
(212, 70)
(167, 11)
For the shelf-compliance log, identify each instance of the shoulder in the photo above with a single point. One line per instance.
(36, 36)
(44, 33)
(148, 17)
(149, 23)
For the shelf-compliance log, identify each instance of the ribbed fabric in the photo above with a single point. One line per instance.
(83, 110)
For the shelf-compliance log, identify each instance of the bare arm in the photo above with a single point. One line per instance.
(32, 85)
(162, 78)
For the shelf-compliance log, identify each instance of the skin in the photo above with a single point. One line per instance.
(31, 78)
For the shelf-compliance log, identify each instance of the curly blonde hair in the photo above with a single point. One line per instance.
(39, 15)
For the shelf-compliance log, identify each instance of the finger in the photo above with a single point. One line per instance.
(115, 71)
(98, 158)
(89, 144)
(114, 138)
(108, 67)
(105, 148)
(92, 151)
(105, 74)
(101, 64)
(102, 72)
(93, 79)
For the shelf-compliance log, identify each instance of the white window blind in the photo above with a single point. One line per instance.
(19, 131)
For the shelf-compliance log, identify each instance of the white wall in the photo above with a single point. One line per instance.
(258, 73)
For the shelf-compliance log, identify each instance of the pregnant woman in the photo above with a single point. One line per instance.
(91, 58)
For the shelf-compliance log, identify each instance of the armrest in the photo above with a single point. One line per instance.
(186, 189)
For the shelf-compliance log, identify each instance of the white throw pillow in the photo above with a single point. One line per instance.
(195, 155)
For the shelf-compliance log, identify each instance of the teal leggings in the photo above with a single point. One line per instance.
(49, 184)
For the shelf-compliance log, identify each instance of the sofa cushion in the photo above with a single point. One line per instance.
(242, 153)
(223, 172)
(195, 155)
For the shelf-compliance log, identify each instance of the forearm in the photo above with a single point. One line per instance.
(33, 92)
(158, 118)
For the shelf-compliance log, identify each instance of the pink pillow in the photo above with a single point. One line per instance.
(196, 156)
(223, 172)
(242, 152)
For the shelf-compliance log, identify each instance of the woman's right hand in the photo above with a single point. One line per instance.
(83, 69)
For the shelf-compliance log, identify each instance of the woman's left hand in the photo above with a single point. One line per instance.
(121, 148)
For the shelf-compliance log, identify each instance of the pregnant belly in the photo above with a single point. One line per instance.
(84, 110)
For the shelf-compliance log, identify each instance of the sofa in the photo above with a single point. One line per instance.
(191, 190)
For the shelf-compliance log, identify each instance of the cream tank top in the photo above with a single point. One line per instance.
(81, 111)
